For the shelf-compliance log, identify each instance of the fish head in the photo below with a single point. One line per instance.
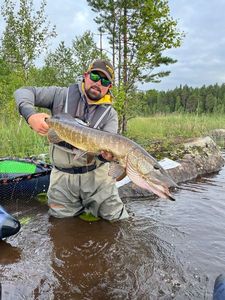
(147, 173)
(158, 180)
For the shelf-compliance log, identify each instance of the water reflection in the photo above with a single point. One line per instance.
(8, 253)
(111, 261)
(78, 255)
(167, 250)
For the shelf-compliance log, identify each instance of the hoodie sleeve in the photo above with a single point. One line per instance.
(29, 97)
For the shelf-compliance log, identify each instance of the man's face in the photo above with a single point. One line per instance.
(94, 85)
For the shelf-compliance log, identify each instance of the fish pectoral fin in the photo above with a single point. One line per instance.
(78, 153)
(53, 137)
(136, 177)
(139, 181)
(116, 171)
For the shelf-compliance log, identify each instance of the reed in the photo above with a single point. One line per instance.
(164, 135)
(173, 126)
(19, 140)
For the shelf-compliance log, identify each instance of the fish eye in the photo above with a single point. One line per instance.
(156, 167)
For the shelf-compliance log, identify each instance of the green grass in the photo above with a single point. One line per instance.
(161, 134)
(174, 125)
(157, 134)
(18, 139)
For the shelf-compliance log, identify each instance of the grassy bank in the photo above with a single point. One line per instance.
(160, 134)
(157, 134)
(174, 125)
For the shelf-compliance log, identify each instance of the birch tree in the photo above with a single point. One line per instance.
(26, 34)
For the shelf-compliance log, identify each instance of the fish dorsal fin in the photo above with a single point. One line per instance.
(53, 137)
(116, 171)
(78, 153)
(67, 117)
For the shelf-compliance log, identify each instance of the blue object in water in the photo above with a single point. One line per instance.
(8, 224)
(219, 288)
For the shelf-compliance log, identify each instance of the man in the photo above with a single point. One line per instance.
(78, 186)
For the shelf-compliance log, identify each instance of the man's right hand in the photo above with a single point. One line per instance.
(38, 124)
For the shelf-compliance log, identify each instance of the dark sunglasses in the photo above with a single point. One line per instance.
(96, 77)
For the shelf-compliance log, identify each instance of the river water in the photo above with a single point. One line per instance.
(166, 250)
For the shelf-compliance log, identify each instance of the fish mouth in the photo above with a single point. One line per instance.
(160, 190)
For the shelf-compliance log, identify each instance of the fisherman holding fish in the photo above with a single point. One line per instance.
(79, 182)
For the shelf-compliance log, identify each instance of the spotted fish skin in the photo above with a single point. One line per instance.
(140, 166)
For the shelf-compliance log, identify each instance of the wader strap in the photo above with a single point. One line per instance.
(66, 103)
(102, 116)
(72, 99)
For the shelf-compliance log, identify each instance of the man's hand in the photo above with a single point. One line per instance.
(107, 155)
(38, 124)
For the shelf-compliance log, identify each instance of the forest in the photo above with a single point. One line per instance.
(184, 99)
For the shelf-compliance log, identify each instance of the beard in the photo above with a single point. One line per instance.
(93, 93)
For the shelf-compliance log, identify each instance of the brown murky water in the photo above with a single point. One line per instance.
(167, 250)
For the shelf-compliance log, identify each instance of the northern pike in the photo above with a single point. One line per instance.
(139, 165)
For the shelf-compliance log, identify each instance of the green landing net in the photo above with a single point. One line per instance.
(16, 167)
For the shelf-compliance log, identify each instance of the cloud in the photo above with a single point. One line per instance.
(81, 22)
(201, 58)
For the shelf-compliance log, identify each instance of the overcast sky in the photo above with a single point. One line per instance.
(200, 59)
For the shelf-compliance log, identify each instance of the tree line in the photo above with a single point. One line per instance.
(184, 99)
